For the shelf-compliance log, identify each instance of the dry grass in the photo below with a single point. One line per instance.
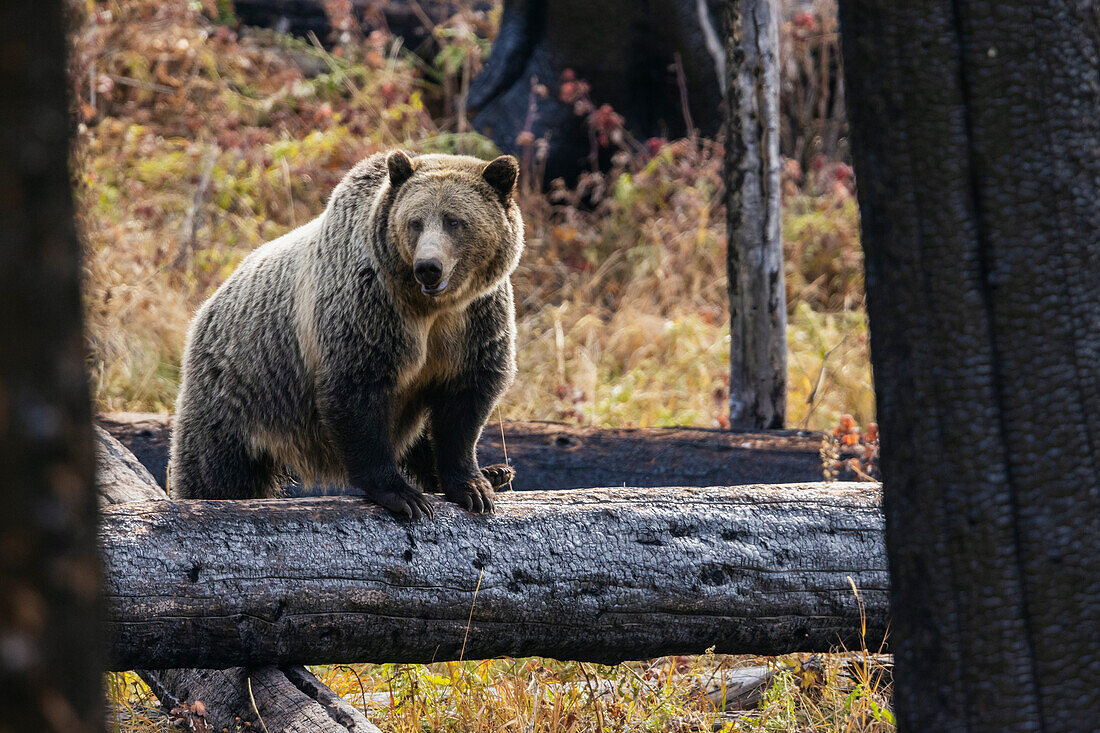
(196, 146)
(622, 318)
(621, 294)
(837, 692)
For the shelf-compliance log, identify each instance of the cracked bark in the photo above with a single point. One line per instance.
(975, 129)
(600, 574)
(758, 308)
(290, 699)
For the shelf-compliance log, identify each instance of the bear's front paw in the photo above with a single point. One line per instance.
(403, 499)
(474, 495)
(498, 474)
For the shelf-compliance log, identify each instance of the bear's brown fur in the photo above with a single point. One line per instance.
(376, 338)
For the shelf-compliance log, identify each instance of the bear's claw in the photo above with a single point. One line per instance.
(413, 504)
(498, 474)
(475, 495)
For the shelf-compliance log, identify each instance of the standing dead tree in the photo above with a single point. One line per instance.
(975, 129)
(50, 656)
(758, 302)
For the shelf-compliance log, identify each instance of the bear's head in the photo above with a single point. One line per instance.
(453, 225)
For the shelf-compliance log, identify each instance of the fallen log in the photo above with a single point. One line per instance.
(119, 476)
(289, 699)
(603, 575)
(558, 456)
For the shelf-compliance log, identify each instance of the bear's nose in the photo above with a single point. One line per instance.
(428, 272)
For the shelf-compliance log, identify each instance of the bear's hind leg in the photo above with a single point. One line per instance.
(221, 467)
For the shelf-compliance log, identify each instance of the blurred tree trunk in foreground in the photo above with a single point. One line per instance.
(977, 145)
(758, 304)
(50, 636)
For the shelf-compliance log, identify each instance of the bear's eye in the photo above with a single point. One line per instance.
(416, 225)
(453, 222)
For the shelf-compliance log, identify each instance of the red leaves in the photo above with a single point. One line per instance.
(190, 717)
(572, 90)
(604, 121)
(848, 454)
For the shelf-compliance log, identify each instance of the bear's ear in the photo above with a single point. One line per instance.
(400, 167)
(501, 174)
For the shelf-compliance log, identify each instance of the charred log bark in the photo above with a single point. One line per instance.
(975, 128)
(555, 456)
(601, 574)
(119, 476)
(288, 699)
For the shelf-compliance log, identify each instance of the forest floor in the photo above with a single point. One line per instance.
(198, 142)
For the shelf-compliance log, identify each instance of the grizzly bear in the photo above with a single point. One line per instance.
(367, 347)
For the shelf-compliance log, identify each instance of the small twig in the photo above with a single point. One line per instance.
(592, 695)
(470, 620)
(681, 81)
(147, 85)
(333, 67)
(289, 192)
(820, 381)
(504, 444)
(422, 16)
(362, 689)
(91, 84)
(254, 707)
(193, 219)
(461, 120)
(528, 124)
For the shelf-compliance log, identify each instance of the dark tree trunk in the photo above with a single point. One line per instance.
(647, 60)
(758, 301)
(976, 129)
(555, 456)
(51, 653)
(597, 574)
(288, 699)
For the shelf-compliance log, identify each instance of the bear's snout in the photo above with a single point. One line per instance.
(429, 273)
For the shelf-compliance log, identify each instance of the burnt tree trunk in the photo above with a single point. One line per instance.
(976, 129)
(289, 699)
(599, 574)
(557, 456)
(51, 652)
(659, 64)
(758, 301)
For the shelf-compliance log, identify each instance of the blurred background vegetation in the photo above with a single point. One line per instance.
(200, 139)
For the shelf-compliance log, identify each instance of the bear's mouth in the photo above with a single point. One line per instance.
(436, 289)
